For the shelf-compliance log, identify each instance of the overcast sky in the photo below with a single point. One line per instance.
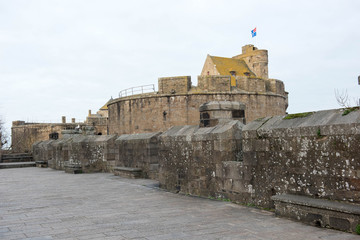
(61, 58)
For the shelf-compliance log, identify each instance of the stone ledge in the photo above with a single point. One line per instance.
(72, 168)
(128, 169)
(41, 164)
(16, 157)
(318, 212)
(318, 203)
(128, 172)
(17, 165)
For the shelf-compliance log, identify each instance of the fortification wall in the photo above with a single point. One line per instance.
(158, 112)
(90, 152)
(24, 135)
(172, 85)
(99, 123)
(189, 155)
(44, 150)
(315, 155)
(139, 151)
(214, 83)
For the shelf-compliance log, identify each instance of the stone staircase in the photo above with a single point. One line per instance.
(17, 160)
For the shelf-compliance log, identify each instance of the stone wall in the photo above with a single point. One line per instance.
(310, 154)
(160, 112)
(43, 150)
(99, 123)
(24, 135)
(213, 83)
(139, 151)
(315, 155)
(172, 85)
(189, 155)
(90, 152)
(177, 102)
(260, 85)
(61, 154)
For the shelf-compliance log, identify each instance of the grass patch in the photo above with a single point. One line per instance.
(318, 133)
(349, 110)
(298, 115)
(219, 199)
(357, 229)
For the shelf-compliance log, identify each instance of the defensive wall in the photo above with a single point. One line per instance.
(91, 153)
(313, 155)
(24, 134)
(242, 78)
(177, 102)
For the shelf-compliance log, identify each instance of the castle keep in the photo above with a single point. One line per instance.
(243, 78)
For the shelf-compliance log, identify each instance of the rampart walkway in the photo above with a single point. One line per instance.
(47, 204)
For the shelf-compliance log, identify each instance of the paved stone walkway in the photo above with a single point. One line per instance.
(40, 203)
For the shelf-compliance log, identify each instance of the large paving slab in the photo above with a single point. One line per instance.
(37, 203)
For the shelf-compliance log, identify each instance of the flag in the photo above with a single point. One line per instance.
(253, 32)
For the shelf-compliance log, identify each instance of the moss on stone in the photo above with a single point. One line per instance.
(298, 115)
(357, 230)
(349, 110)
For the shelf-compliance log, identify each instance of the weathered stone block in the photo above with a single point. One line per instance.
(318, 212)
(339, 223)
(128, 172)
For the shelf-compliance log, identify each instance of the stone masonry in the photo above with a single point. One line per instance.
(242, 78)
(314, 155)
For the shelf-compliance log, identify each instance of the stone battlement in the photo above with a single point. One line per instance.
(219, 83)
(314, 155)
(177, 102)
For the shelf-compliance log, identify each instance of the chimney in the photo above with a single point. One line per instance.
(89, 113)
(63, 118)
(73, 120)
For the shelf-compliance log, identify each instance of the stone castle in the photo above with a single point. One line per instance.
(229, 137)
(242, 78)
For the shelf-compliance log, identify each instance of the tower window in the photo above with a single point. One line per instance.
(204, 119)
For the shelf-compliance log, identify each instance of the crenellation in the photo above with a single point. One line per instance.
(211, 83)
(244, 163)
(174, 85)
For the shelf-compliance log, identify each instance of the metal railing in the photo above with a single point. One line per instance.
(137, 90)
